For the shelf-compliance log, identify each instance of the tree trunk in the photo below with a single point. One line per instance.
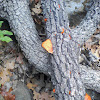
(66, 70)
(66, 49)
(62, 65)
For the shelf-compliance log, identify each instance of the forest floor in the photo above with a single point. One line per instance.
(15, 72)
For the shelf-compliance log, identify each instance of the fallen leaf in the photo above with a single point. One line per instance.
(38, 5)
(42, 96)
(87, 97)
(47, 45)
(97, 53)
(6, 95)
(5, 71)
(9, 64)
(37, 10)
(31, 86)
(19, 59)
(10, 89)
(4, 75)
(45, 96)
(36, 95)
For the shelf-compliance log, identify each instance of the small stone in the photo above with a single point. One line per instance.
(22, 92)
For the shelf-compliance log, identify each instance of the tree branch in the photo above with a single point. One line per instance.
(22, 24)
(89, 24)
(90, 78)
(23, 27)
(3, 13)
(52, 21)
(65, 77)
(56, 14)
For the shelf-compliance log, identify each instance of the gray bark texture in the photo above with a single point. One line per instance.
(19, 17)
(90, 78)
(68, 77)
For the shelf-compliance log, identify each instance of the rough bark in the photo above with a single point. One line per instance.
(65, 70)
(89, 24)
(65, 75)
(19, 17)
(90, 78)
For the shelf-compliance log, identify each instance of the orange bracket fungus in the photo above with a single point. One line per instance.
(47, 45)
(59, 5)
(69, 92)
(70, 36)
(79, 45)
(87, 97)
(62, 31)
(54, 90)
(45, 19)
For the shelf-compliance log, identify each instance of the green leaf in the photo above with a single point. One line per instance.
(1, 23)
(6, 39)
(4, 32)
(1, 35)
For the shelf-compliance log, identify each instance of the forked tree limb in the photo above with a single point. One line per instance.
(66, 50)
